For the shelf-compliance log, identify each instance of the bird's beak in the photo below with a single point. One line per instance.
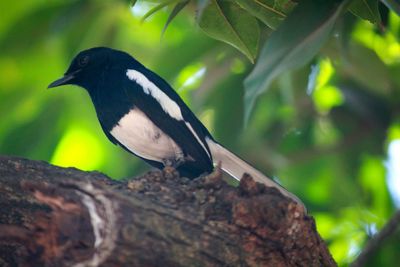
(63, 80)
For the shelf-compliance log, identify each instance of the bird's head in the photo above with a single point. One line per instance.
(86, 68)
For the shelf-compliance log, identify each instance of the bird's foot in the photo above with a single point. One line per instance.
(177, 161)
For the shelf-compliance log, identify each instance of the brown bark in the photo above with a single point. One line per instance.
(51, 216)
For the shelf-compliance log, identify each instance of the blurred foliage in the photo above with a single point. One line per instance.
(327, 125)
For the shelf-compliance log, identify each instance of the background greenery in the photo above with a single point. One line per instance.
(321, 103)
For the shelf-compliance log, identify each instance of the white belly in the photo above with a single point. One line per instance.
(141, 136)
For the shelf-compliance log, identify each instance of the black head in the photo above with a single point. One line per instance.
(88, 65)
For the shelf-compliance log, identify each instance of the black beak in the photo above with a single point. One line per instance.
(64, 80)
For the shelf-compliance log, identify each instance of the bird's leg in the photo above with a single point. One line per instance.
(179, 159)
(168, 162)
(175, 162)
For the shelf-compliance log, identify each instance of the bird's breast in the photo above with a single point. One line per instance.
(142, 137)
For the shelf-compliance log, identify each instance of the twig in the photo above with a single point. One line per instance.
(376, 241)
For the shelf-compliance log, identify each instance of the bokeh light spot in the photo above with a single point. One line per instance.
(79, 148)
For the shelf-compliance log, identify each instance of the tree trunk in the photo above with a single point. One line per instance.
(51, 216)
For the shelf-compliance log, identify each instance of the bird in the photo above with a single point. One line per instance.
(139, 111)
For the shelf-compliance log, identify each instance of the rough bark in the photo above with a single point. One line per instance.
(51, 216)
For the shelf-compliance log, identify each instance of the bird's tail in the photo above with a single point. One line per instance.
(236, 167)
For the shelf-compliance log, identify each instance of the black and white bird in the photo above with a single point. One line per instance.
(139, 111)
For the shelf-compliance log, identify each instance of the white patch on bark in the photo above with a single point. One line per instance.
(103, 219)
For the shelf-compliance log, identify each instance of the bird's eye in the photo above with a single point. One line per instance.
(83, 61)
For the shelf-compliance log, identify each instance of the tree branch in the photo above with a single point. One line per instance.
(53, 216)
(377, 240)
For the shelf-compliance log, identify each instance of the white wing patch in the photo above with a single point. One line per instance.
(143, 138)
(167, 104)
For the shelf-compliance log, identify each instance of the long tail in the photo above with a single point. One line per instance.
(236, 167)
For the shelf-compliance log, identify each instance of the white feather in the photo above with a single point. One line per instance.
(197, 138)
(236, 167)
(167, 104)
(142, 137)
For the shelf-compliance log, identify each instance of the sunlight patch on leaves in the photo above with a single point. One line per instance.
(324, 94)
(347, 231)
(314, 192)
(386, 46)
(325, 73)
(237, 66)
(394, 132)
(372, 180)
(327, 97)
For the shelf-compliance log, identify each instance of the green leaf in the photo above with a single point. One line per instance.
(393, 5)
(270, 12)
(228, 22)
(201, 5)
(366, 9)
(177, 8)
(295, 43)
(157, 8)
